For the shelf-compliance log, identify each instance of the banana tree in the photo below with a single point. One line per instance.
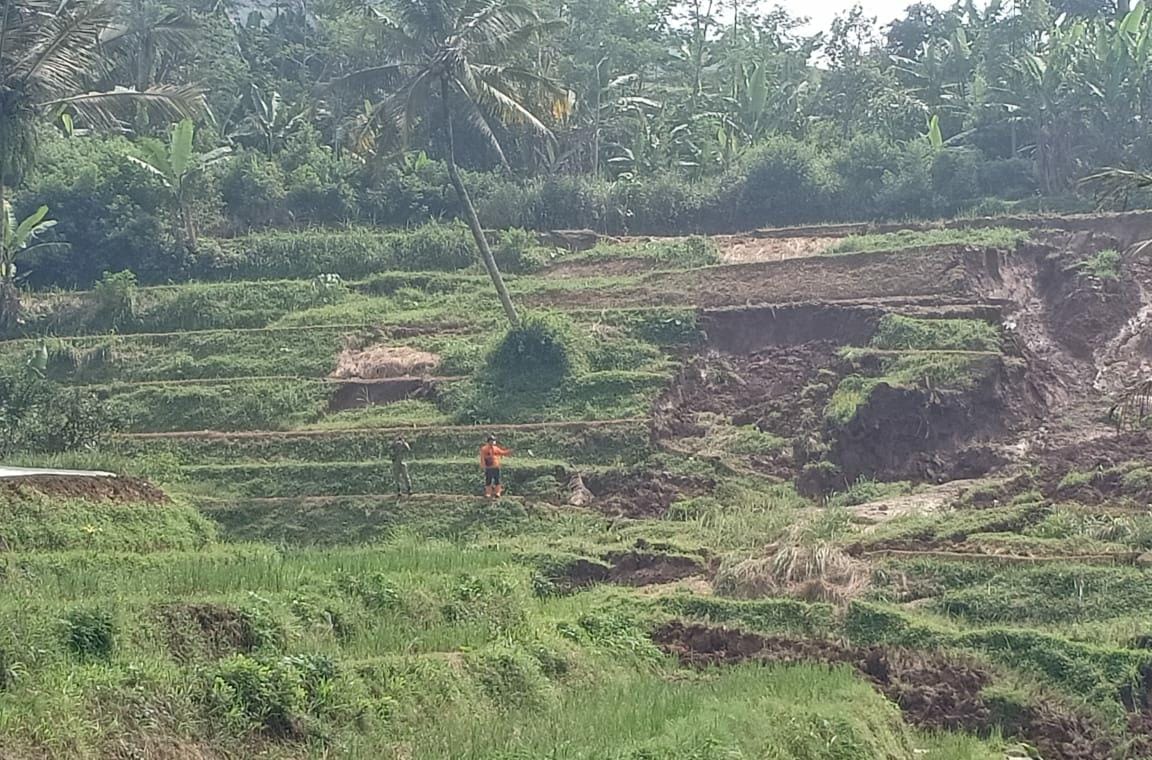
(176, 165)
(16, 238)
(270, 121)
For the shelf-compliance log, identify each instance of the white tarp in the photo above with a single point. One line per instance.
(23, 472)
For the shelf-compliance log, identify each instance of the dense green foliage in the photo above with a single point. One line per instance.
(676, 121)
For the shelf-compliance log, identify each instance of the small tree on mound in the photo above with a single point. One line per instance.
(541, 352)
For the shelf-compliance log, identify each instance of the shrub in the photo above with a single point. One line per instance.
(39, 416)
(253, 191)
(114, 214)
(541, 352)
(90, 634)
(780, 181)
(509, 676)
(518, 251)
(1104, 265)
(244, 691)
(439, 247)
(115, 297)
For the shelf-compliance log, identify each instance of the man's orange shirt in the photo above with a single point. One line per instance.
(490, 455)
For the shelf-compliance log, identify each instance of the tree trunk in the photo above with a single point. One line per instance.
(188, 222)
(470, 213)
(9, 294)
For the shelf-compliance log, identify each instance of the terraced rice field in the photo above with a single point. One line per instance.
(848, 493)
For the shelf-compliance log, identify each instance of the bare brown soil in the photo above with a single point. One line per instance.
(631, 568)
(83, 487)
(198, 631)
(358, 394)
(644, 494)
(933, 691)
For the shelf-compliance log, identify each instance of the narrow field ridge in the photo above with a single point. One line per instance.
(568, 425)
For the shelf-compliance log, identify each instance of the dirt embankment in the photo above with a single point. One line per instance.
(924, 434)
(933, 691)
(1073, 336)
(86, 488)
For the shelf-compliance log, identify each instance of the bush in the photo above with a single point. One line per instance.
(38, 416)
(541, 352)
(439, 247)
(114, 213)
(253, 191)
(90, 634)
(517, 250)
(509, 676)
(245, 692)
(115, 297)
(781, 181)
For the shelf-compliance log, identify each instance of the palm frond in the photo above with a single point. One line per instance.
(494, 98)
(380, 77)
(173, 102)
(479, 122)
(66, 51)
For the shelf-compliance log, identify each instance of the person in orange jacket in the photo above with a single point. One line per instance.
(490, 455)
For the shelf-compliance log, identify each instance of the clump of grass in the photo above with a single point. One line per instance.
(865, 490)
(899, 332)
(509, 676)
(816, 573)
(1103, 265)
(89, 633)
(992, 237)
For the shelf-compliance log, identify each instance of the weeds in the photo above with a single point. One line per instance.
(1102, 265)
(88, 633)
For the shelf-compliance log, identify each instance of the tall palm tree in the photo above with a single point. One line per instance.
(51, 60)
(461, 60)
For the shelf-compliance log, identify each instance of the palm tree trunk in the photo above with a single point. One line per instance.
(470, 213)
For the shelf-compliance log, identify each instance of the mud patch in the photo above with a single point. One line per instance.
(206, 631)
(780, 391)
(360, 395)
(932, 691)
(924, 433)
(748, 329)
(630, 568)
(641, 569)
(87, 488)
(641, 495)
(378, 361)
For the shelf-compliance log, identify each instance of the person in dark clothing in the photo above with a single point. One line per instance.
(400, 451)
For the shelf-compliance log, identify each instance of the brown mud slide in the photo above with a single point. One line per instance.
(932, 690)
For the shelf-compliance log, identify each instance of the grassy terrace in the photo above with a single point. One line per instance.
(283, 604)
